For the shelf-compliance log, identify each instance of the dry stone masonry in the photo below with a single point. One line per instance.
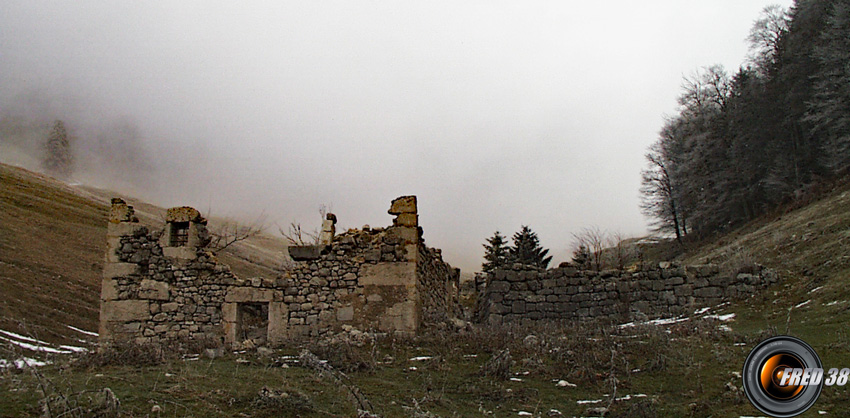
(164, 285)
(527, 293)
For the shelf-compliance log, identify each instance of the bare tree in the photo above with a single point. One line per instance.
(765, 36)
(623, 252)
(659, 198)
(296, 235)
(594, 239)
(603, 250)
(705, 91)
(229, 231)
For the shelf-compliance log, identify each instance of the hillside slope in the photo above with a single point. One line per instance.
(52, 245)
(808, 246)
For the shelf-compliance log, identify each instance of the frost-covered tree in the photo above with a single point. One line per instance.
(829, 109)
(58, 159)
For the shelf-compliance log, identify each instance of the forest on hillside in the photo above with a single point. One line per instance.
(742, 143)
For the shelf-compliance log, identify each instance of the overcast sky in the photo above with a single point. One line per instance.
(495, 114)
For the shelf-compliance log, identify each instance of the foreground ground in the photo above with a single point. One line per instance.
(689, 367)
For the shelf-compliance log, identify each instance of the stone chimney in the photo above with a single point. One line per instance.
(326, 237)
(406, 224)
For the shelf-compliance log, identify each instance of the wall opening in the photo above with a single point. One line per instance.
(179, 234)
(253, 322)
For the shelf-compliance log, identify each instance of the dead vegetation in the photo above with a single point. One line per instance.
(596, 249)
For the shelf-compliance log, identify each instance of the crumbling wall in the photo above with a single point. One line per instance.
(528, 293)
(440, 284)
(163, 285)
(365, 279)
(152, 292)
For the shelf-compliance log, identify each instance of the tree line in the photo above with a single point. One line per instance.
(526, 250)
(743, 143)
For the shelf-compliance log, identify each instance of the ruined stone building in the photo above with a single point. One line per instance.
(161, 285)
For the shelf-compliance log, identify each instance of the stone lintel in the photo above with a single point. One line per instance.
(248, 294)
(184, 214)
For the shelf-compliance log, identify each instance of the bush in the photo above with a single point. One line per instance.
(280, 400)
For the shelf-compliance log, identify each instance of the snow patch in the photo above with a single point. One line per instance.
(73, 348)
(22, 338)
(629, 397)
(661, 321)
(82, 331)
(21, 362)
(421, 358)
(623, 398)
(31, 347)
(800, 305)
(722, 318)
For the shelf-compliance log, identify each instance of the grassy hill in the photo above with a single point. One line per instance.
(51, 252)
(52, 239)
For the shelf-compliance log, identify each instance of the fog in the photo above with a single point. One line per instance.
(495, 114)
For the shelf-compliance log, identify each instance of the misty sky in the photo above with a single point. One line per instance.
(495, 114)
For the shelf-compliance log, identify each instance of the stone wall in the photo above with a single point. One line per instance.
(527, 293)
(440, 297)
(164, 285)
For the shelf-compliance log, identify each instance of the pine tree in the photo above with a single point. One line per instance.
(581, 257)
(527, 249)
(58, 160)
(495, 254)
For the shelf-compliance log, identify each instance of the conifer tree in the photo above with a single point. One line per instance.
(58, 160)
(829, 109)
(581, 257)
(527, 250)
(496, 253)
